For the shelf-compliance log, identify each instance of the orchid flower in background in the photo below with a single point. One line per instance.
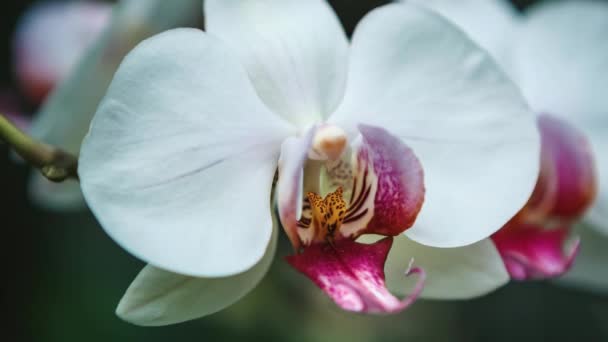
(536, 243)
(51, 38)
(556, 53)
(409, 128)
(65, 116)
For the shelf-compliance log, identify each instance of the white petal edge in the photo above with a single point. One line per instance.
(490, 23)
(452, 273)
(179, 162)
(158, 297)
(67, 113)
(290, 185)
(561, 60)
(589, 271)
(418, 76)
(294, 51)
(597, 217)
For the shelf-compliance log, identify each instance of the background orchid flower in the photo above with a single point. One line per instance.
(51, 38)
(536, 243)
(65, 117)
(407, 126)
(555, 53)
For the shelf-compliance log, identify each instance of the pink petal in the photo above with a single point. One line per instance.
(51, 38)
(535, 252)
(567, 183)
(574, 166)
(352, 274)
(289, 191)
(543, 198)
(395, 175)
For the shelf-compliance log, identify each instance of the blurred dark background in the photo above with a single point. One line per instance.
(62, 278)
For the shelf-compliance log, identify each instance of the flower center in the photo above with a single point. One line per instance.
(327, 214)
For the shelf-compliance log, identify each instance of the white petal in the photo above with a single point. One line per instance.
(589, 271)
(561, 60)
(598, 216)
(65, 117)
(158, 297)
(179, 161)
(295, 52)
(416, 75)
(561, 57)
(452, 273)
(290, 186)
(490, 23)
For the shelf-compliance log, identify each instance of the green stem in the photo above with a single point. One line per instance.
(54, 163)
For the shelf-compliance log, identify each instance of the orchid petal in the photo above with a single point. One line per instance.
(352, 275)
(490, 23)
(298, 68)
(452, 273)
(158, 297)
(51, 38)
(390, 176)
(414, 73)
(574, 167)
(294, 153)
(66, 115)
(179, 162)
(533, 252)
(561, 64)
(598, 215)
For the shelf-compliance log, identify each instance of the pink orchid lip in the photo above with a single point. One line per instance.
(352, 275)
(532, 252)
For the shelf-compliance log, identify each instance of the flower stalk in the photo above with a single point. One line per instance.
(54, 164)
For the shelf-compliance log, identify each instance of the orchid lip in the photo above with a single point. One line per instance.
(352, 275)
(536, 252)
(521, 268)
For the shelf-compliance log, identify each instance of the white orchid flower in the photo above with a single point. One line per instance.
(65, 116)
(556, 55)
(410, 127)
